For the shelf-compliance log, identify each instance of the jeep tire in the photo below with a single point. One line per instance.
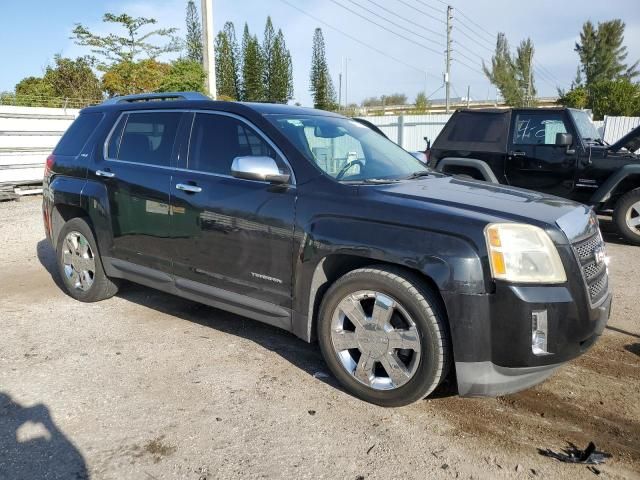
(626, 216)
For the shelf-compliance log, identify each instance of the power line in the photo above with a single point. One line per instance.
(408, 20)
(357, 40)
(431, 7)
(396, 24)
(423, 12)
(385, 28)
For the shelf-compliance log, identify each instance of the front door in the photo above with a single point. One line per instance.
(534, 161)
(232, 235)
(135, 171)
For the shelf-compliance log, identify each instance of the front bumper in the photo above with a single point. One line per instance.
(492, 335)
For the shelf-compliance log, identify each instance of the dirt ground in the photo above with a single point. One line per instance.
(150, 386)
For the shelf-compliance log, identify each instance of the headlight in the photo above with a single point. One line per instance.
(523, 253)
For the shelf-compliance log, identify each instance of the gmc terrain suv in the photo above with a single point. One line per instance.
(316, 224)
(550, 150)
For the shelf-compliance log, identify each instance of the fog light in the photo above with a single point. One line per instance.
(539, 332)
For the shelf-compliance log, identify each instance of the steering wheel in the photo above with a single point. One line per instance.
(346, 168)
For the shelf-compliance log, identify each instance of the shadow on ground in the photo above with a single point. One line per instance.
(32, 446)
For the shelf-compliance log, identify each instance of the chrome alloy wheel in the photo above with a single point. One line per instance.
(79, 261)
(375, 340)
(632, 217)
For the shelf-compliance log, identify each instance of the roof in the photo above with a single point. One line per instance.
(509, 110)
(195, 100)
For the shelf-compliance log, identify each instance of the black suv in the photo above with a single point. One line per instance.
(551, 150)
(316, 224)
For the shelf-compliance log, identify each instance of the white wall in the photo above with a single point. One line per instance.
(27, 137)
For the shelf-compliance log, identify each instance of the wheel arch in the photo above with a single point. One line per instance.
(333, 266)
(624, 180)
(61, 213)
(465, 165)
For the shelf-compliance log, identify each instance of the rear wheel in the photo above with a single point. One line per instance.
(382, 333)
(626, 216)
(79, 263)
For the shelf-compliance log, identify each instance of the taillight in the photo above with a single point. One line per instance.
(49, 164)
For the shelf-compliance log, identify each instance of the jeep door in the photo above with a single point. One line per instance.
(534, 161)
(233, 238)
(134, 169)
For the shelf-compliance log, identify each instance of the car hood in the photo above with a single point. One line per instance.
(631, 141)
(499, 201)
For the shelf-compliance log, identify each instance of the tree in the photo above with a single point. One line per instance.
(602, 53)
(512, 75)
(193, 40)
(252, 68)
(267, 54)
(126, 78)
(227, 75)
(113, 49)
(280, 86)
(577, 97)
(324, 95)
(74, 79)
(67, 81)
(184, 76)
(421, 102)
(619, 97)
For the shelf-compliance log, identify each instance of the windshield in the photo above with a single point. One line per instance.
(345, 149)
(585, 126)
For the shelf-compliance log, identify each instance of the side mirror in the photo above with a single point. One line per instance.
(564, 139)
(264, 169)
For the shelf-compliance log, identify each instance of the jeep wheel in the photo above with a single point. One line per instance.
(79, 263)
(382, 333)
(626, 216)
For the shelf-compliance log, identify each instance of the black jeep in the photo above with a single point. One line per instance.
(314, 223)
(551, 150)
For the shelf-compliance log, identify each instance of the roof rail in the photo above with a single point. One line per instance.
(146, 97)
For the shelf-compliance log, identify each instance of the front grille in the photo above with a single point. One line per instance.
(594, 269)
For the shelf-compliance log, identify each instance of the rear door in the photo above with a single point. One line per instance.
(534, 161)
(135, 169)
(233, 236)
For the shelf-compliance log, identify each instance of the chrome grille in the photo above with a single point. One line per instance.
(594, 271)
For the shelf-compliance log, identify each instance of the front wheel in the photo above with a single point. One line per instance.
(383, 335)
(626, 216)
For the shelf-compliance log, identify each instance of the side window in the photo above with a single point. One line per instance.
(144, 137)
(538, 129)
(77, 134)
(217, 139)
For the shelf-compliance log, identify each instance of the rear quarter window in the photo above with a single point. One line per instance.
(76, 136)
(481, 131)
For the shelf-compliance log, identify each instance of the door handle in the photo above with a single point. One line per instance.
(188, 188)
(517, 154)
(104, 173)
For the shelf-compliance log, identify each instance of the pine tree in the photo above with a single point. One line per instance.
(193, 40)
(513, 76)
(324, 95)
(268, 43)
(230, 31)
(602, 53)
(252, 68)
(280, 86)
(227, 81)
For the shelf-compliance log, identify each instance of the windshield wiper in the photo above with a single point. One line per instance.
(419, 174)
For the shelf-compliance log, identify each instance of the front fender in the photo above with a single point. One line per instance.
(451, 262)
(603, 194)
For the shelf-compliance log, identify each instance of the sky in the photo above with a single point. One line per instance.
(403, 53)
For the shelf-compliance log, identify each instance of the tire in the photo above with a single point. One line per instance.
(362, 357)
(79, 263)
(626, 216)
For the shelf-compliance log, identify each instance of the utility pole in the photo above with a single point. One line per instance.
(346, 82)
(529, 92)
(468, 94)
(208, 54)
(447, 75)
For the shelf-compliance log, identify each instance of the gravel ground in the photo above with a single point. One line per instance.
(151, 386)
